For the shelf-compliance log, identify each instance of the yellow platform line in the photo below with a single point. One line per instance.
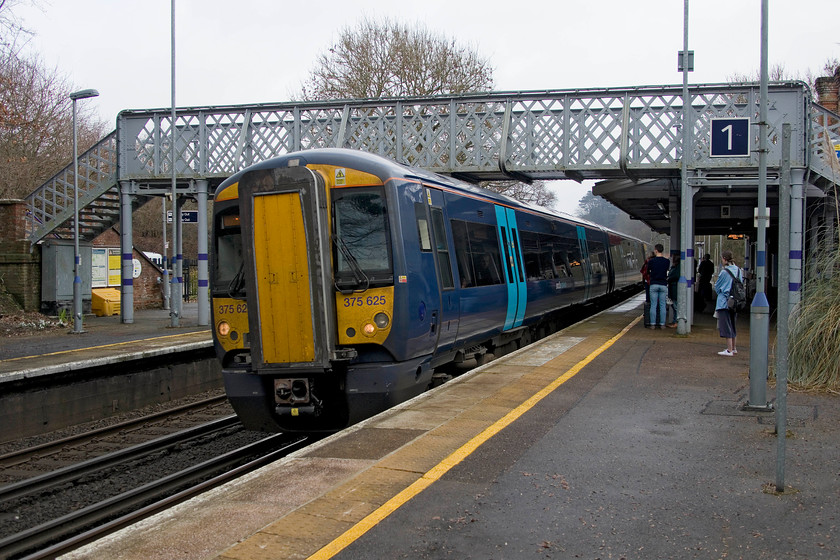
(436, 472)
(94, 347)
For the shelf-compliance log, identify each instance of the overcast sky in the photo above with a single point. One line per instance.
(260, 51)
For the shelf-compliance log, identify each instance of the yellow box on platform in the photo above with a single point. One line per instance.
(105, 302)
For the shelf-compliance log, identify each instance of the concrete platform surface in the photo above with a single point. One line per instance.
(104, 340)
(605, 440)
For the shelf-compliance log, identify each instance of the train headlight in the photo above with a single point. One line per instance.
(381, 320)
(369, 329)
(224, 328)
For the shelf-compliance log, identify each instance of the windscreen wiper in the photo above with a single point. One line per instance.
(358, 274)
(238, 281)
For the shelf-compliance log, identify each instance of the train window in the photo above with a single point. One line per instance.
(531, 254)
(477, 254)
(462, 253)
(507, 258)
(362, 239)
(575, 261)
(597, 260)
(560, 264)
(442, 249)
(423, 227)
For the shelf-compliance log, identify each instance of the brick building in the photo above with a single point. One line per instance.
(21, 269)
(828, 91)
(148, 293)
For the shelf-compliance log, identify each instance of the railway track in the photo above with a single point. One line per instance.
(52, 513)
(31, 460)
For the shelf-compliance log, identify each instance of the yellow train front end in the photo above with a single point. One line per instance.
(284, 326)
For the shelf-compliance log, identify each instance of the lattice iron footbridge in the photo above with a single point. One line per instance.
(631, 134)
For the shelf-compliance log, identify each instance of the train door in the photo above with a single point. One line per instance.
(445, 322)
(291, 313)
(584, 252)
(514, 277)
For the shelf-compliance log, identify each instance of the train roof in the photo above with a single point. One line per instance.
(385, 169)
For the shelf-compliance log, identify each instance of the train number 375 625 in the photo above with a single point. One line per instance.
(231, 308)
(364, 300)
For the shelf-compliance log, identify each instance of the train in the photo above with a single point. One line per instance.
(341, 281)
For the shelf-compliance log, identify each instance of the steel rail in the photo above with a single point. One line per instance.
(16, 457)
(64, 531)
(73, 472)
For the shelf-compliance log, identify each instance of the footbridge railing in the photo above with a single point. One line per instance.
(564, 134)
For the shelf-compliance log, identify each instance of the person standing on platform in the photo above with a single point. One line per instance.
(706, 270)
(646, 276)
(658, 270)
(725, 316)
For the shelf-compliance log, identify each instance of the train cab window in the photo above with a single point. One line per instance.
(228, 261)
(362, 239)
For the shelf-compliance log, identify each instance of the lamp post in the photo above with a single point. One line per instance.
(77, 259)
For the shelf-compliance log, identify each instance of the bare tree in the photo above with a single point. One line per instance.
(778, 73)
(11, 28)
(535, 193)
(775, 73)
(35, 114)
(829, 68)
(390, 59)
(36, 124)
(601, 211)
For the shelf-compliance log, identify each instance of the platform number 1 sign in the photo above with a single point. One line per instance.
(730, 137)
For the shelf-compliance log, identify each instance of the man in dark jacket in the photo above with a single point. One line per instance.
(658, 269)
(706, 270)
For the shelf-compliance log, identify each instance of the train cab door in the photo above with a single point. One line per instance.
(291, 311)
(514, 277)
(445, 319)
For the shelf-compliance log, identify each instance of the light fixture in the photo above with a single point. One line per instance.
(77, 259)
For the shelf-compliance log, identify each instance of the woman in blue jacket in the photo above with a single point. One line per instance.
(725, 316)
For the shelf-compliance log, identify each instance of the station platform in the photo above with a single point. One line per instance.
(605, 440)
(104, 340)
(54, 379)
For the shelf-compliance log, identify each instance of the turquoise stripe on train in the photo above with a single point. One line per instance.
(504, 238)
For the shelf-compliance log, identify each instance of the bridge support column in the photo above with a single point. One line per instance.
(676, 241)
(685, 288)
(177, 291)
(127, 254)
(203, 277)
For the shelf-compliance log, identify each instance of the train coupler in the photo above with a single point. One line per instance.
(287, 410)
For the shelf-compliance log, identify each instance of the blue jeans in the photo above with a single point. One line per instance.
(658, 297)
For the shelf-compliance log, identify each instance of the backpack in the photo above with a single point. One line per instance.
(737, 294)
